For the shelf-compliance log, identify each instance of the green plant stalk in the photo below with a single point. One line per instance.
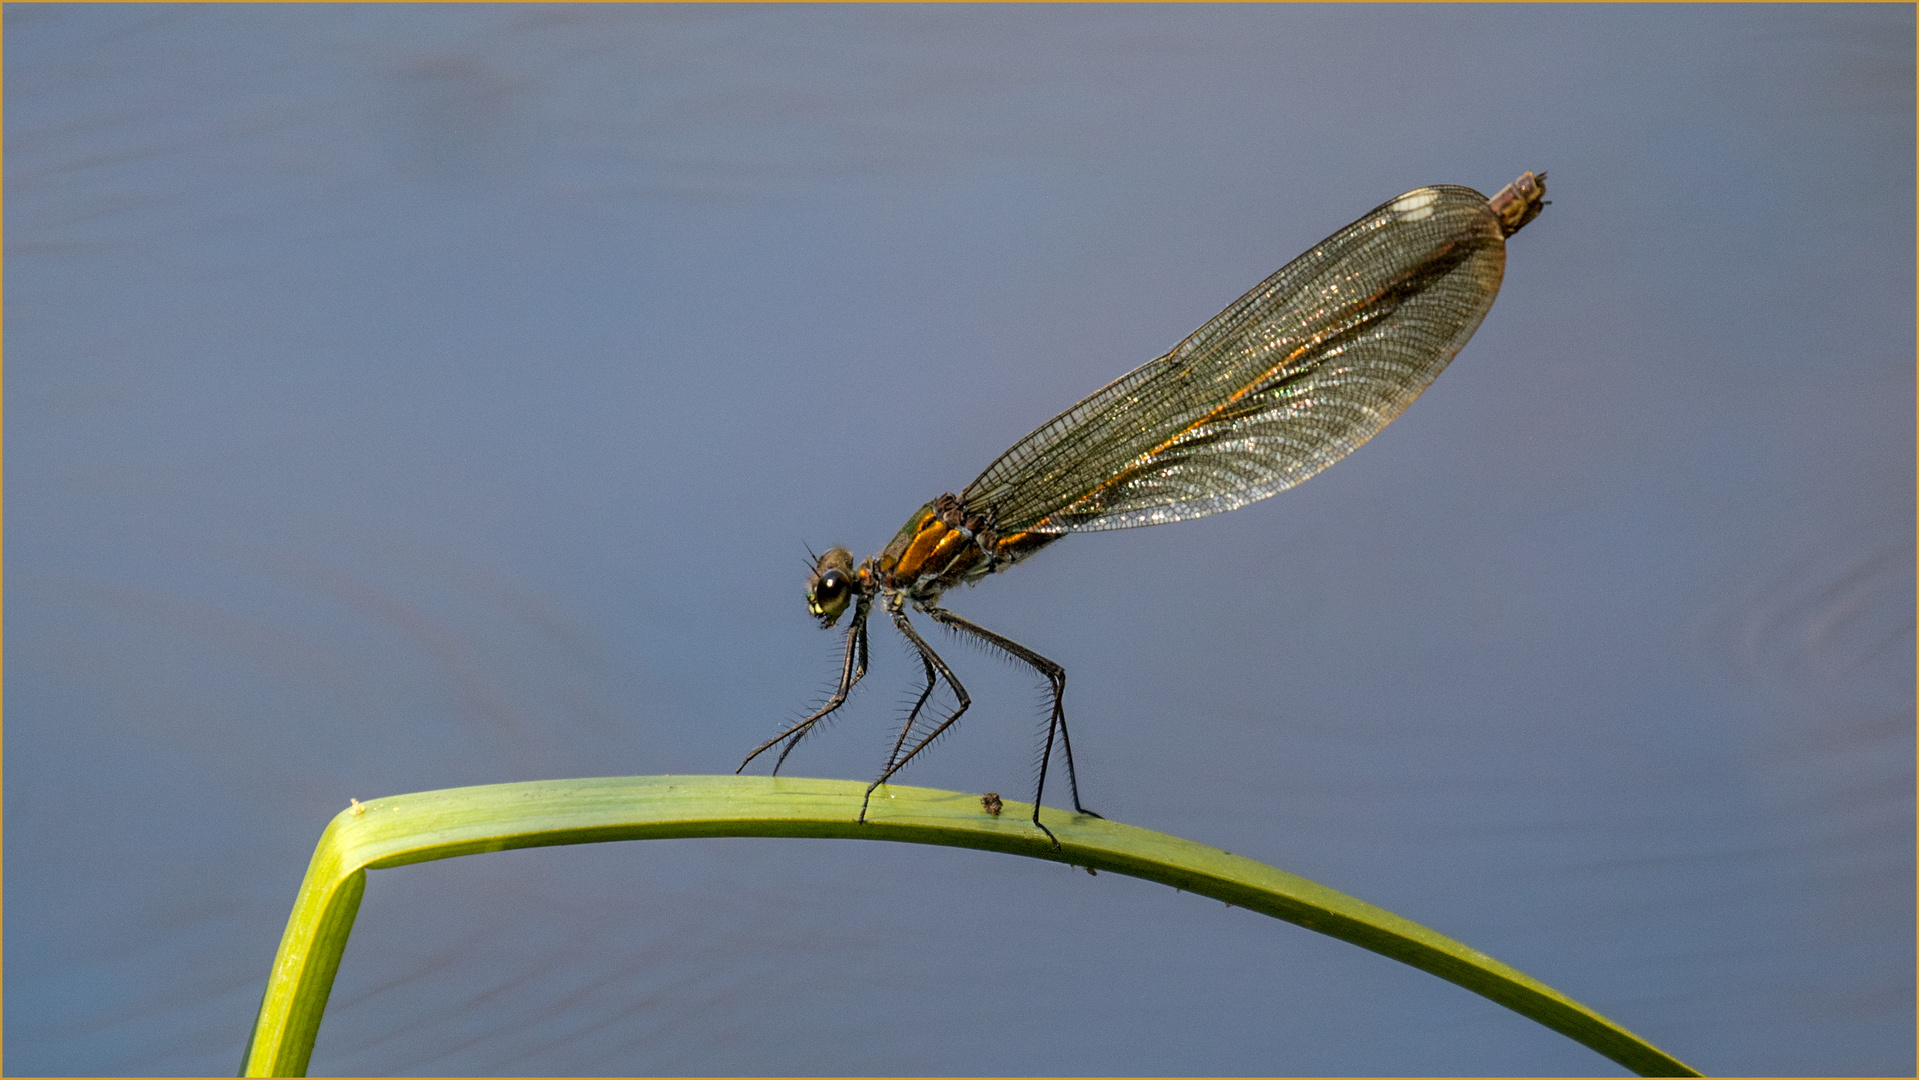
(466, 821)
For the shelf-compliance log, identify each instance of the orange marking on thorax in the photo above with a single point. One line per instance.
(948, 547)
(913, 561)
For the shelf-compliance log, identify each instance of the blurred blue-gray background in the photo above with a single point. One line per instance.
(410, 397)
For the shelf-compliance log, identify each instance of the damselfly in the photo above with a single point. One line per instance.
(1289, 379)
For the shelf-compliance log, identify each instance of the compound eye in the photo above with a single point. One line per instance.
(832, 585)
(829, 594)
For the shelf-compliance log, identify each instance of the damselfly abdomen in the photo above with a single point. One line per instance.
(1289, 379)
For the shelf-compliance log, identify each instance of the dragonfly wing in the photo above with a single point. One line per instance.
(1292, 377)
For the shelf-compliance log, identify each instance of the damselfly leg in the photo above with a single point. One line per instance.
(913, 714)
(933, 664)
(852, 670)
(937, 669)
(1055, 677)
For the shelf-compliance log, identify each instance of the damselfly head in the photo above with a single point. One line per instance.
(831, 586)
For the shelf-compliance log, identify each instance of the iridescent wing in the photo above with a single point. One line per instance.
(1292, 377)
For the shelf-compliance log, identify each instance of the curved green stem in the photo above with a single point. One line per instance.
(466, 821)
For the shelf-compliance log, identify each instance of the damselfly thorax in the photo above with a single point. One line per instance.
(1292, 377)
